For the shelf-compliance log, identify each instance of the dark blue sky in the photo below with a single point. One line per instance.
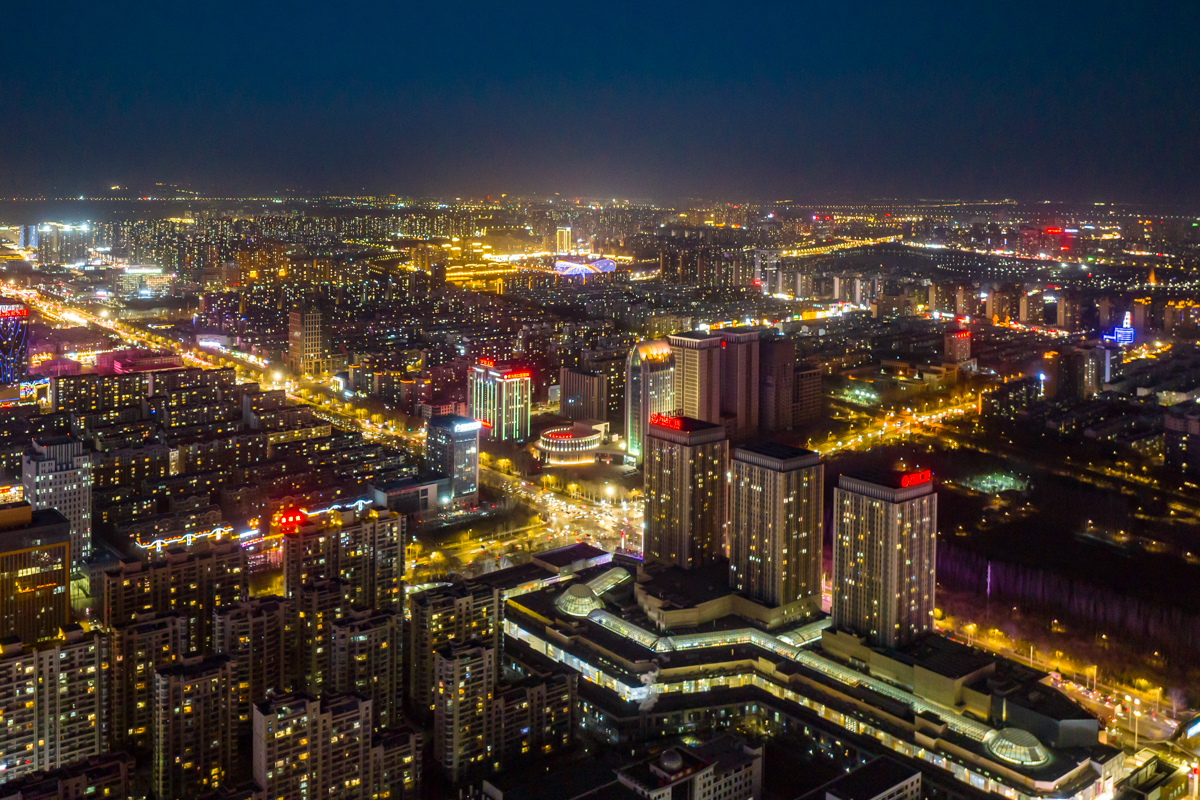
(1094, 102)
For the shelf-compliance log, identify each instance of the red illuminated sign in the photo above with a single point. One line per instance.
(7, 311)
(662, 420)
(963, 335)
(514, 375)
(1054, 230)
(558, 436)
(916, 478)
(486, 362)
(292, 517)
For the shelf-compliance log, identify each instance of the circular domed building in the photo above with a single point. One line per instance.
(578, 600)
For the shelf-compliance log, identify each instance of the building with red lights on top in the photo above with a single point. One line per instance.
(884, 556)
(685, 464)
(498, 395)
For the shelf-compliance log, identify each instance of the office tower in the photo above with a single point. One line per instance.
(464, 679)
(956, 345)
(649, 389)
(305, 747)
(52, 701)
(57, 473)
(1143, 314)
(63, 243)
(563, 243)
(685, 491)
(309, 349)
(193, 748)
(806, 395)
(777, 371)
(697, 374)
(439, 616)
(499, 397)
(35, 572)
(766, 269)
(582, 394)
(610, 363)
(194, 584)
(367, 649)
(775, 523)
(14, 341)
(452, 448)
(1070, 312)
(135, 651)
(317, 607)
(256, 635)
(365, 548)
(740, 351)
(884, 555)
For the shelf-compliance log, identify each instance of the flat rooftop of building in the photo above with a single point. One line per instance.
(892, 479)
(943, 656)
(566, 556)
(685, 424)
(696, 336)
(562, 779)
(778, 451)
(686, 588)
(870, 780)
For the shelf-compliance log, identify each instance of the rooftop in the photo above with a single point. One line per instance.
(868, 781)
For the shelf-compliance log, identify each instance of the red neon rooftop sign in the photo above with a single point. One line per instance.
(662, 420)
(487, 362)
(8, 310)
(916, 478)
(514, 375)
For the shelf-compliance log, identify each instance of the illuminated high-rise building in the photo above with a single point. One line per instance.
(740, 349)
(498, 395)
(14, 341)
(775, 520)
(649, 389)
(957, 343)
(57, 473)
(884, 555)
(698, 374)
(193, 748)
(35, 572)
(452, 448)
(685, 465)
(309, 349)
(563, 243)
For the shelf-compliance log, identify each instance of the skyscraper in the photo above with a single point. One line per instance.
(498, 395)
(135, 652)
(584, 395)
(57, 473)
(193, 749)
(367, 647)
(685, 491)
(309, 349)
(775, 520)
(256, 635)
(464, 679)
(649, 389)
(452, 448)
(306, 747)
(740, 352)
(563, 243)
(777, 370)
(35, 572)
(14, 341)
(697, 374)
(884, 555)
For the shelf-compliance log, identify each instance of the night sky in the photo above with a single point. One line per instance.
(757, 101)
